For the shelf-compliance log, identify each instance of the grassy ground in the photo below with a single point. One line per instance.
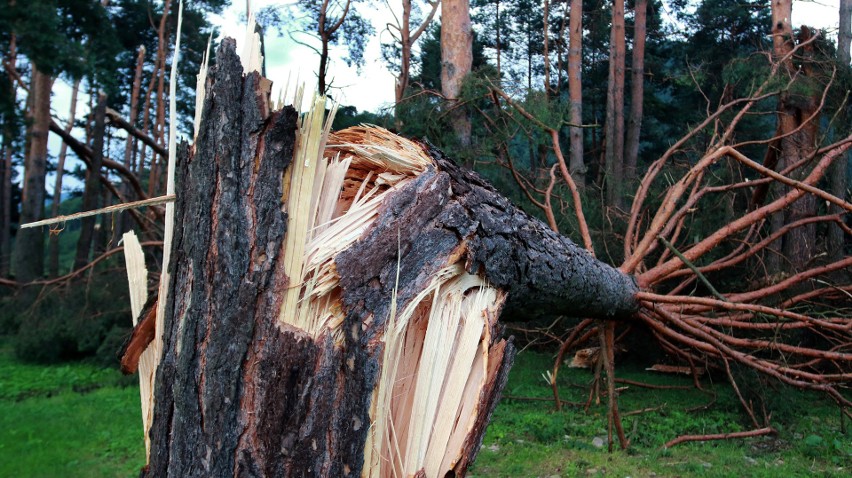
(529, 438)
(80, 420)
(72, 420)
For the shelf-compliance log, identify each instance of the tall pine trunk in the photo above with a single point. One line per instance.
(28, 256)
(575, 91)
(615, 109)
(637, 92)
(456, 61)
(6, 164)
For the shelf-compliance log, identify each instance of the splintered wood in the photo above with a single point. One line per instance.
(333, 197)
(434, 369)
(435, 364)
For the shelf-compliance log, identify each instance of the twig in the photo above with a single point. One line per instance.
(694, 269)
(109, 209)
(721, 436)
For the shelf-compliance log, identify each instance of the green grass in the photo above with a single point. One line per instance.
(70, 420)
(530, 438)
(80, 420)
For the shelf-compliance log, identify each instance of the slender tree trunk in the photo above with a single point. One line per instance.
(637, 92)
(575, 91)
(560, 48)
(91, 193)
(53, 245)
(456, 61)
(6, 177)
(499, 45)
(546, 52)
(407, 40)
(28, 256)
(615, 109)
(405, 50)
(836, 240)
(130, 146)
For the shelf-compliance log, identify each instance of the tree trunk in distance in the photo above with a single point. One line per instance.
(53, 245)
(800, 243)
(28, 256)
(92, 191)
(836, 244)
(637, 92)
(241, 391)
(407, 40)
(615, 109)
(6, 177)
(575, 91)
(456, 61)
(546, 50)
(782, 44)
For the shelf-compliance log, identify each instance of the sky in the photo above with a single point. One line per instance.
(371, 88)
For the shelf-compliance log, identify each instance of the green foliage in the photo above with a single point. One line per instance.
(83, 319)
(350, 116)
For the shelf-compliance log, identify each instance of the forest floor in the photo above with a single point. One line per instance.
(81, 420)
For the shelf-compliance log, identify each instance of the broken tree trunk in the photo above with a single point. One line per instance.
(333, 299)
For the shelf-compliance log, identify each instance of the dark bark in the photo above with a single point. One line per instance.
(92, 191)
(240, 394)
(6, 169)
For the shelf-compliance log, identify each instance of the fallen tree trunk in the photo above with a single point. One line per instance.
(333, 311)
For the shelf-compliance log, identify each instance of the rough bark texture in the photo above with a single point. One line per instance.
(456, 59)
(28, 256)
(239, 394)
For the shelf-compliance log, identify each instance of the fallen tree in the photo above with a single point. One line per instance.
(350, 327)
(333, 298)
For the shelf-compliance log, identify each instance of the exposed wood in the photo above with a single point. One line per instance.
(96, 212)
